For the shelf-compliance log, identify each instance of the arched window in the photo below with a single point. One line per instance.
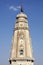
(21, 52)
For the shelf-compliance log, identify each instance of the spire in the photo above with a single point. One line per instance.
(21, 8)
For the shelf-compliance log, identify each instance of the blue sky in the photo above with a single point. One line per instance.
(34, 11)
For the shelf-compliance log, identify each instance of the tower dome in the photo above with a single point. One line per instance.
(21, 15)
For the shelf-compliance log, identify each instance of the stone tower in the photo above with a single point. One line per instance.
(21, 50)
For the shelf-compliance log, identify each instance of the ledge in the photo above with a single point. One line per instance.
(18, 59)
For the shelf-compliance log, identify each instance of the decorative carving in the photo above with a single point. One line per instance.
(21, 36)
(19, 28)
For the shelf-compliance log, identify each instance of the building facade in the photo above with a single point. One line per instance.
(21, 49)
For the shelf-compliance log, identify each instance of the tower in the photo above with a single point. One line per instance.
(21, 50)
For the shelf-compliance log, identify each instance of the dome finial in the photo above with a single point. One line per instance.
(21, 8)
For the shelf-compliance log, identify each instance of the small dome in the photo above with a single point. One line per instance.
(21, 15)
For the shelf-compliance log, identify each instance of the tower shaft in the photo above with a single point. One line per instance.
(21, 51)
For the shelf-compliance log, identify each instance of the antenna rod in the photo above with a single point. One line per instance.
(21, 8)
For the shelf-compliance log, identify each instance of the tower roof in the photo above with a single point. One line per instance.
(21, 14)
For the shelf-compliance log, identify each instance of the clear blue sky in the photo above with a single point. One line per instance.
(34, 11)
